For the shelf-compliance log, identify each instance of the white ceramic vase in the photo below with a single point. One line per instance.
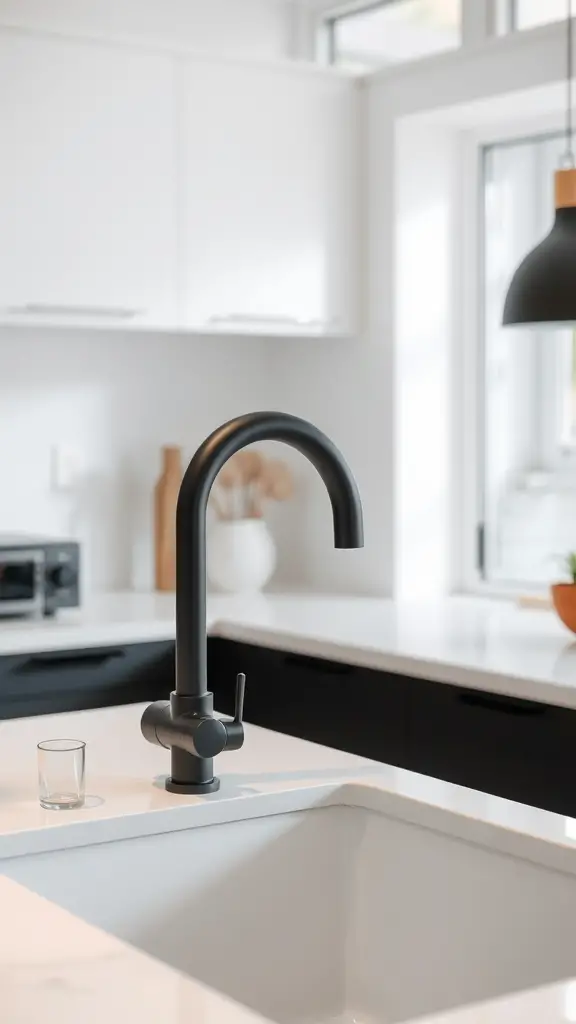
(240, 556)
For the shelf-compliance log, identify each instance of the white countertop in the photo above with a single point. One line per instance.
(479, 643)
(56, 969)
(80, 973)
(125, 783)
(122, 780)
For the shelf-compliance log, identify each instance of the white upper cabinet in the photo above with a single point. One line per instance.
(87, 183)
(270, 198)
(149, 189)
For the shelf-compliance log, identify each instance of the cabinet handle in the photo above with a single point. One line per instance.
(263, 318)
(66, 660)
(502, 705)
(318, 665)
(91, 312)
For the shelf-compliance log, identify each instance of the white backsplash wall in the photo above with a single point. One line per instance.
(342, 387)
(114, 399)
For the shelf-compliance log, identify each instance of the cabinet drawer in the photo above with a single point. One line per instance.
(51, 682)
(518, 749)
(337, 705)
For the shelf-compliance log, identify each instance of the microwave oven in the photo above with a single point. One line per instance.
(38, 575)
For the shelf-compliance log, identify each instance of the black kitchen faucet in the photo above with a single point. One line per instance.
(186, 724)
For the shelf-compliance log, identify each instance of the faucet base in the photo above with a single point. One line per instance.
(199, 788)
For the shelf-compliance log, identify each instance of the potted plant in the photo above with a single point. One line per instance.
(564, 594)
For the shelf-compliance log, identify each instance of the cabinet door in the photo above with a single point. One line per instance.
(87, 183)
(54, 682)
(270, 193)
(513, 748)
(340, 706)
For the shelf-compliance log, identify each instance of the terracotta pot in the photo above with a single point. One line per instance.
(564, 599)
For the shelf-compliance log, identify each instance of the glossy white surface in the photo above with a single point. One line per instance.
(325, 914)
(81, 183)
(551, 1004)
(269, 215)
(480, 643)
(115, 618)
(85, 975)
(271, 775)
(124, 777)
(56, 969)
(271, 243)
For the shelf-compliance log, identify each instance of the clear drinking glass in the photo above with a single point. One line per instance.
(61, 774)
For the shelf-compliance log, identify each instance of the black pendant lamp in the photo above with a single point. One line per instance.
(543, 289)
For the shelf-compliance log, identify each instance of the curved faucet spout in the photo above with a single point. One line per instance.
(191, 678)
(186, 725)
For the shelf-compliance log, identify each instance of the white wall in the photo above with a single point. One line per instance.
(117, 399)
(345, 389)
(426, 307)
(262, 27)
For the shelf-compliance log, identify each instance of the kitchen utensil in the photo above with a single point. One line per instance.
(165, 500)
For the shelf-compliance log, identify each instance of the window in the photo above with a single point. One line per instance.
(528, 466)
(380, 34)
(530, 13)
(522, 14)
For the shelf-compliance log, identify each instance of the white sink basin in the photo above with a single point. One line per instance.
(339, 913)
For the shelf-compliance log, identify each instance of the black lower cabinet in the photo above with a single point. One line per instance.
(337, 705)
(53, 682)
(522, 750)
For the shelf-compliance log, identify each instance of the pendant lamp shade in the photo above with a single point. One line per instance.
(543, 289)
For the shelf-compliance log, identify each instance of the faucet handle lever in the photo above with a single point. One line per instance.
(239, 703)
(234, 727)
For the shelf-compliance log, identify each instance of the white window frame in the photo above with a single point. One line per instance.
(470, 403)
(479, 21)
(566, 426)
(506, 18)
